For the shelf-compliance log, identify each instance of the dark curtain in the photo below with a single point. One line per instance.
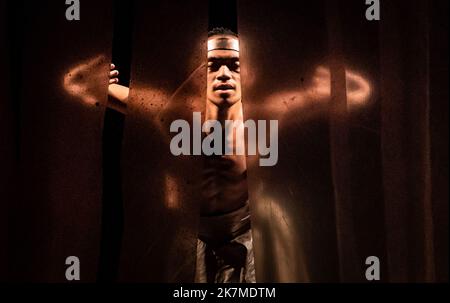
(363, 140)
(51, 136)
(413, 167)
(161, 191)
(362, 164)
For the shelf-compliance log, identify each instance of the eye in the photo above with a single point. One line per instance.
(235, 66)
(213, 66)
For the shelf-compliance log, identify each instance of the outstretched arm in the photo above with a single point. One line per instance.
(117, 94)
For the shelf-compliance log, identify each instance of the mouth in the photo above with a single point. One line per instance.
(223, 87)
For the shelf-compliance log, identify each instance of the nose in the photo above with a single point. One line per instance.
(224, 73)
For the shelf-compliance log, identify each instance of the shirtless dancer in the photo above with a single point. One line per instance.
(224, 248)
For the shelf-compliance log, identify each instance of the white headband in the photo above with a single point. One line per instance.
(223, 43)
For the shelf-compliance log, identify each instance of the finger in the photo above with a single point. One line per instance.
(112, 66)
(113, 80)
(114, 73)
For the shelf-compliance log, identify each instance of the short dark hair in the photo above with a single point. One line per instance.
(221, 31)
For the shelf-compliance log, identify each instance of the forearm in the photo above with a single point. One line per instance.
(118, 97)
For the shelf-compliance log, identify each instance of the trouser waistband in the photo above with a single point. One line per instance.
(216, 230)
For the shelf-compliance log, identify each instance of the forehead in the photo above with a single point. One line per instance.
(223, 54)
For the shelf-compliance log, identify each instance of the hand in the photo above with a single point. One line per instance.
(113, 74)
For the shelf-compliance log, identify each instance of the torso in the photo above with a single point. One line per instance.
(224, 185)
(224, 177)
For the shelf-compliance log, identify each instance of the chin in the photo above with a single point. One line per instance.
(227, 99)
(226, 102)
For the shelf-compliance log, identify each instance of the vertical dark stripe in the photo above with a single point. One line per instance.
(222, 13)
(6, 140)
(438, 122)
(16, 25)
(15, 31)
(340, 151)
(430, 272)
(112, 199)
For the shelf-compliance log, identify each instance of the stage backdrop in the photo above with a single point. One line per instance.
(60, 94)
(361, 117)
(363, 139)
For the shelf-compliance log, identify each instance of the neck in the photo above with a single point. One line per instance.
(233, 112)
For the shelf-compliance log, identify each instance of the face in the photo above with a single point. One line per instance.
(224, 80)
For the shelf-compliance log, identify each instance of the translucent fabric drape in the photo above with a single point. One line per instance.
(58, 94)
(362, 164)
(360, 152)
(161, 191)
